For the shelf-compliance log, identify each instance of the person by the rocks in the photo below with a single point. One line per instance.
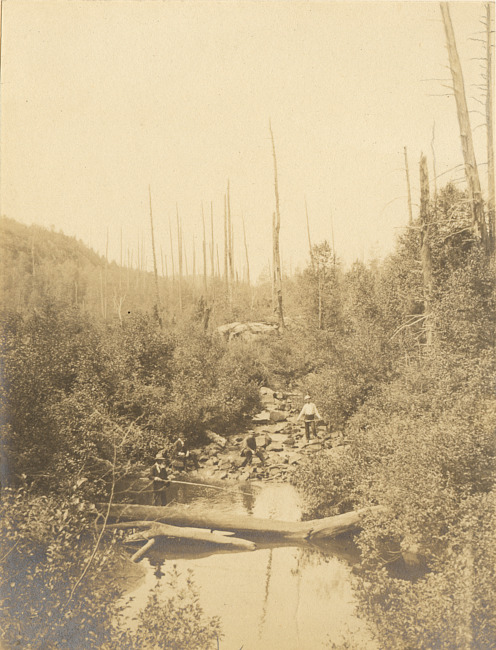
(160, 479)
(181, 452)
(249, 448)
(310, 414)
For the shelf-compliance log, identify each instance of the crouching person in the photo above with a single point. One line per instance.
(249, 448)
(160, 479)
(181, 452)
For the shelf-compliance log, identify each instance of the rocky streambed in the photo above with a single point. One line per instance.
(280, 438)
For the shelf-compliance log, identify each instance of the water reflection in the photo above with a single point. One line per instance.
(276, 597)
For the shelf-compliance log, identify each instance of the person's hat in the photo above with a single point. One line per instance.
(307, 397)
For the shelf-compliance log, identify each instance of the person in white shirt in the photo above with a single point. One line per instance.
(310, 414)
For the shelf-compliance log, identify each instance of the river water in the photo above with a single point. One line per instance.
(273, 598)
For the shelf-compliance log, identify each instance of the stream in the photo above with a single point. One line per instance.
(274, 598)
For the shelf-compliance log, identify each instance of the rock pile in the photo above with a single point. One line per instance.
(280, 439)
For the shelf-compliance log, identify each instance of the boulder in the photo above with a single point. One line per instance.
(246, 331)
(277, 416)
(261, 418)
(214, 437)
(263, 441)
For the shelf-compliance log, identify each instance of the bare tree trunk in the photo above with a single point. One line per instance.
(106, 278)
(425, 251)
(172, 257)
(490, 125)
(246, 253)
(227, 249)
(158, 307)
(204, 256)
(212, 249)
(319, 288)
(230, 236)
(180, 259)
(226, 245)
(410, 213)
(186, 272)
(275, 243)
(309, 240)
(120, 268)
(471, 171)
(434, 162)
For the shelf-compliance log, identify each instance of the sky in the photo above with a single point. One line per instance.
(102, 99)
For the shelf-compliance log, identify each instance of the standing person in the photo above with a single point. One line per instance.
(160, 480)
(249, 448)
(310, 414)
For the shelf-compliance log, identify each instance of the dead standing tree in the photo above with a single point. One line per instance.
(471, 170)
(276, 225)
(410, 213)
(158, 307)
(425, 250)
(489, 125)
(180, 258)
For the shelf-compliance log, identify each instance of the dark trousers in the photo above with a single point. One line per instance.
(310, 424)
(248, 454)
(159, 495)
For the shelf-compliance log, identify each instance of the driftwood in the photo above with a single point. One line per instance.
(143, 550)
(251, 527)
(153, 529)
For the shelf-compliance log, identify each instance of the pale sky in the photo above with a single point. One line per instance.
(101, 98)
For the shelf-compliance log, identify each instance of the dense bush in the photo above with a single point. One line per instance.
(47, 599)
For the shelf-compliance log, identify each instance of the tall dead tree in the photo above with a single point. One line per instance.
(275, 239)
(172, 255)
(226, 246)
(471, 170)
(308, 233)
(106, 278)
(246, 253)
(204, 256)
(230, 257)
(425, 250)
(212, 249)
(158, 307)
(180, 258)
(410, 213)
(120, 268)
(433, 151)
(490, 124)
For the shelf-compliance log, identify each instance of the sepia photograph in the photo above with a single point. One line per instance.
(248, 325)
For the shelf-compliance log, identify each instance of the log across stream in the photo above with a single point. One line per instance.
(179, 517)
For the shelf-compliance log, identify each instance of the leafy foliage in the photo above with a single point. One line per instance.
(47, 599)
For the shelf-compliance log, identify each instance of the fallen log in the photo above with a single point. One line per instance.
(250, 527)
(143, 550)
(154, 529)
